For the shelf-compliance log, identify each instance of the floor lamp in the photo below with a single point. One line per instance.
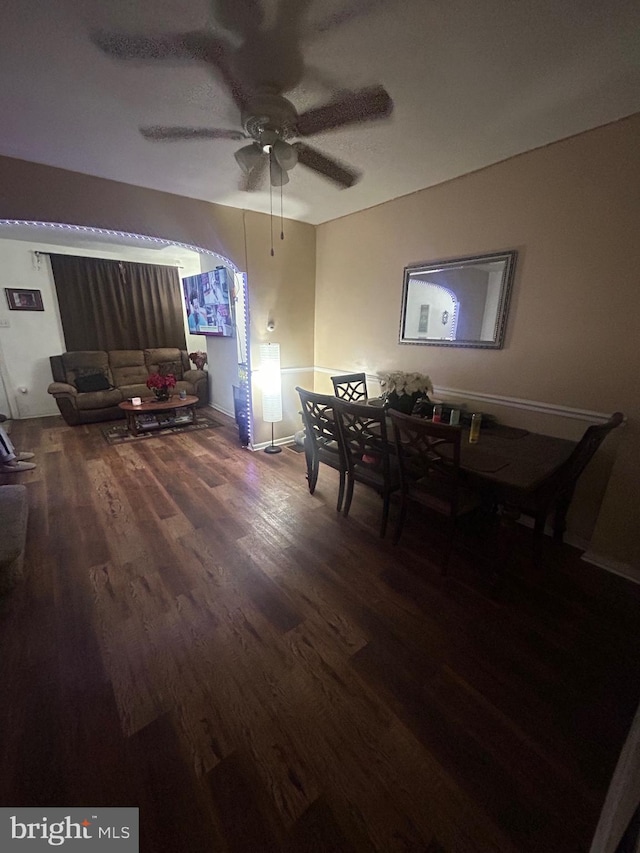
(271, 388)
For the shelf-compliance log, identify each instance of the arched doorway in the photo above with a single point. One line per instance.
(26, 259)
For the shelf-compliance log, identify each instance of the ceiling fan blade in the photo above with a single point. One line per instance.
(198, 45)
(241, 18)
(174, 134)
(354, 107)
(269, 55)
(252, 180)
(285, 155)
(326, 166)
(127, 46)
(336, 19)
(248, 157)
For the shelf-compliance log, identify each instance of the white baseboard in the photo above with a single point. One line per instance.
(616, 567)
(279, 442)
(33, 415)
(221, 410)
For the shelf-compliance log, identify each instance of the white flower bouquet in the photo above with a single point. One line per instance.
(400, 383)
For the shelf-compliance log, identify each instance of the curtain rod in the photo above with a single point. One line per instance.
(39, 253)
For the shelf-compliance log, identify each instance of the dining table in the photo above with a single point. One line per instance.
(508, 463)
(515, 460)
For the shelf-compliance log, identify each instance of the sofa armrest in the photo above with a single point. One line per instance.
(194, 376)
(62, 389)
(200, 381)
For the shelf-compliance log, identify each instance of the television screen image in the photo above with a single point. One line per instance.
(207, 303)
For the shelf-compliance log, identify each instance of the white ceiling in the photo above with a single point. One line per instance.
(473, 82)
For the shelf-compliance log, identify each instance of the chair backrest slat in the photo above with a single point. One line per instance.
(427, 452)
(318, 417)
(562, 482)
(589, 443)
(350, 386)
(363, 434)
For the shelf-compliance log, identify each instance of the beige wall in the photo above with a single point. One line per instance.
(283, 284)
(572, 212)
(32, 191)
(282, 289)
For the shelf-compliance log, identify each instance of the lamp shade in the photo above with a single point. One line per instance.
(271, 382)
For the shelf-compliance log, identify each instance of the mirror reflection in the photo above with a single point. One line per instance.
(461, 302)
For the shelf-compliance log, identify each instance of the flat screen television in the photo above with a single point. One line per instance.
(207, 303)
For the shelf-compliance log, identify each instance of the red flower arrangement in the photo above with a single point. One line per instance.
(159, 382)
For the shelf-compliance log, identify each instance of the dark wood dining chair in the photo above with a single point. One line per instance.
(321, 439)
(369, 454)
(429, 461)
(350, 386)
(556, 492)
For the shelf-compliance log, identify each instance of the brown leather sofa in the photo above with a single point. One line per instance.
(126, 372)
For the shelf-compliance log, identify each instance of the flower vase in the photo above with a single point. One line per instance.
(162, 394)
(402, 402)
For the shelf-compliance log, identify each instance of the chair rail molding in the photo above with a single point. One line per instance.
(529, 405)
(497, 399)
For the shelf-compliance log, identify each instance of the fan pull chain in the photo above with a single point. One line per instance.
(281, 216)
(271, 204)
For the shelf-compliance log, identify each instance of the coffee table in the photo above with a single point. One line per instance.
(152, 414)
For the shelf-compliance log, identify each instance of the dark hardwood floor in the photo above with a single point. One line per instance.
(198, 636)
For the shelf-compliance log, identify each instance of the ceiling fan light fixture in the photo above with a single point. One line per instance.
(286, 155)
(277, 174)
(268, 138)
(248, 157)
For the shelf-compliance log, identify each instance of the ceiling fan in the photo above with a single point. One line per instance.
(258, 65)
(270, 121)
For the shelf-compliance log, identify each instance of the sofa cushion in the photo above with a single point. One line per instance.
(128, 367)
(164, 360)
(99, 399)
(138, 389)
(78, 363)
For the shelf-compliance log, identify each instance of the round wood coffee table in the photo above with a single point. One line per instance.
(153, 414)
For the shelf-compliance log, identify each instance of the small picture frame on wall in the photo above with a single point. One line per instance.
(20, 299)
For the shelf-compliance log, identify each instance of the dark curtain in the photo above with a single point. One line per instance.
(107, 305)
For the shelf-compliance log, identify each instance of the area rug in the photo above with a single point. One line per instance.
(119, 434)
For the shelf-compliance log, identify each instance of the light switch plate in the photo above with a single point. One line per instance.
(4, 324)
